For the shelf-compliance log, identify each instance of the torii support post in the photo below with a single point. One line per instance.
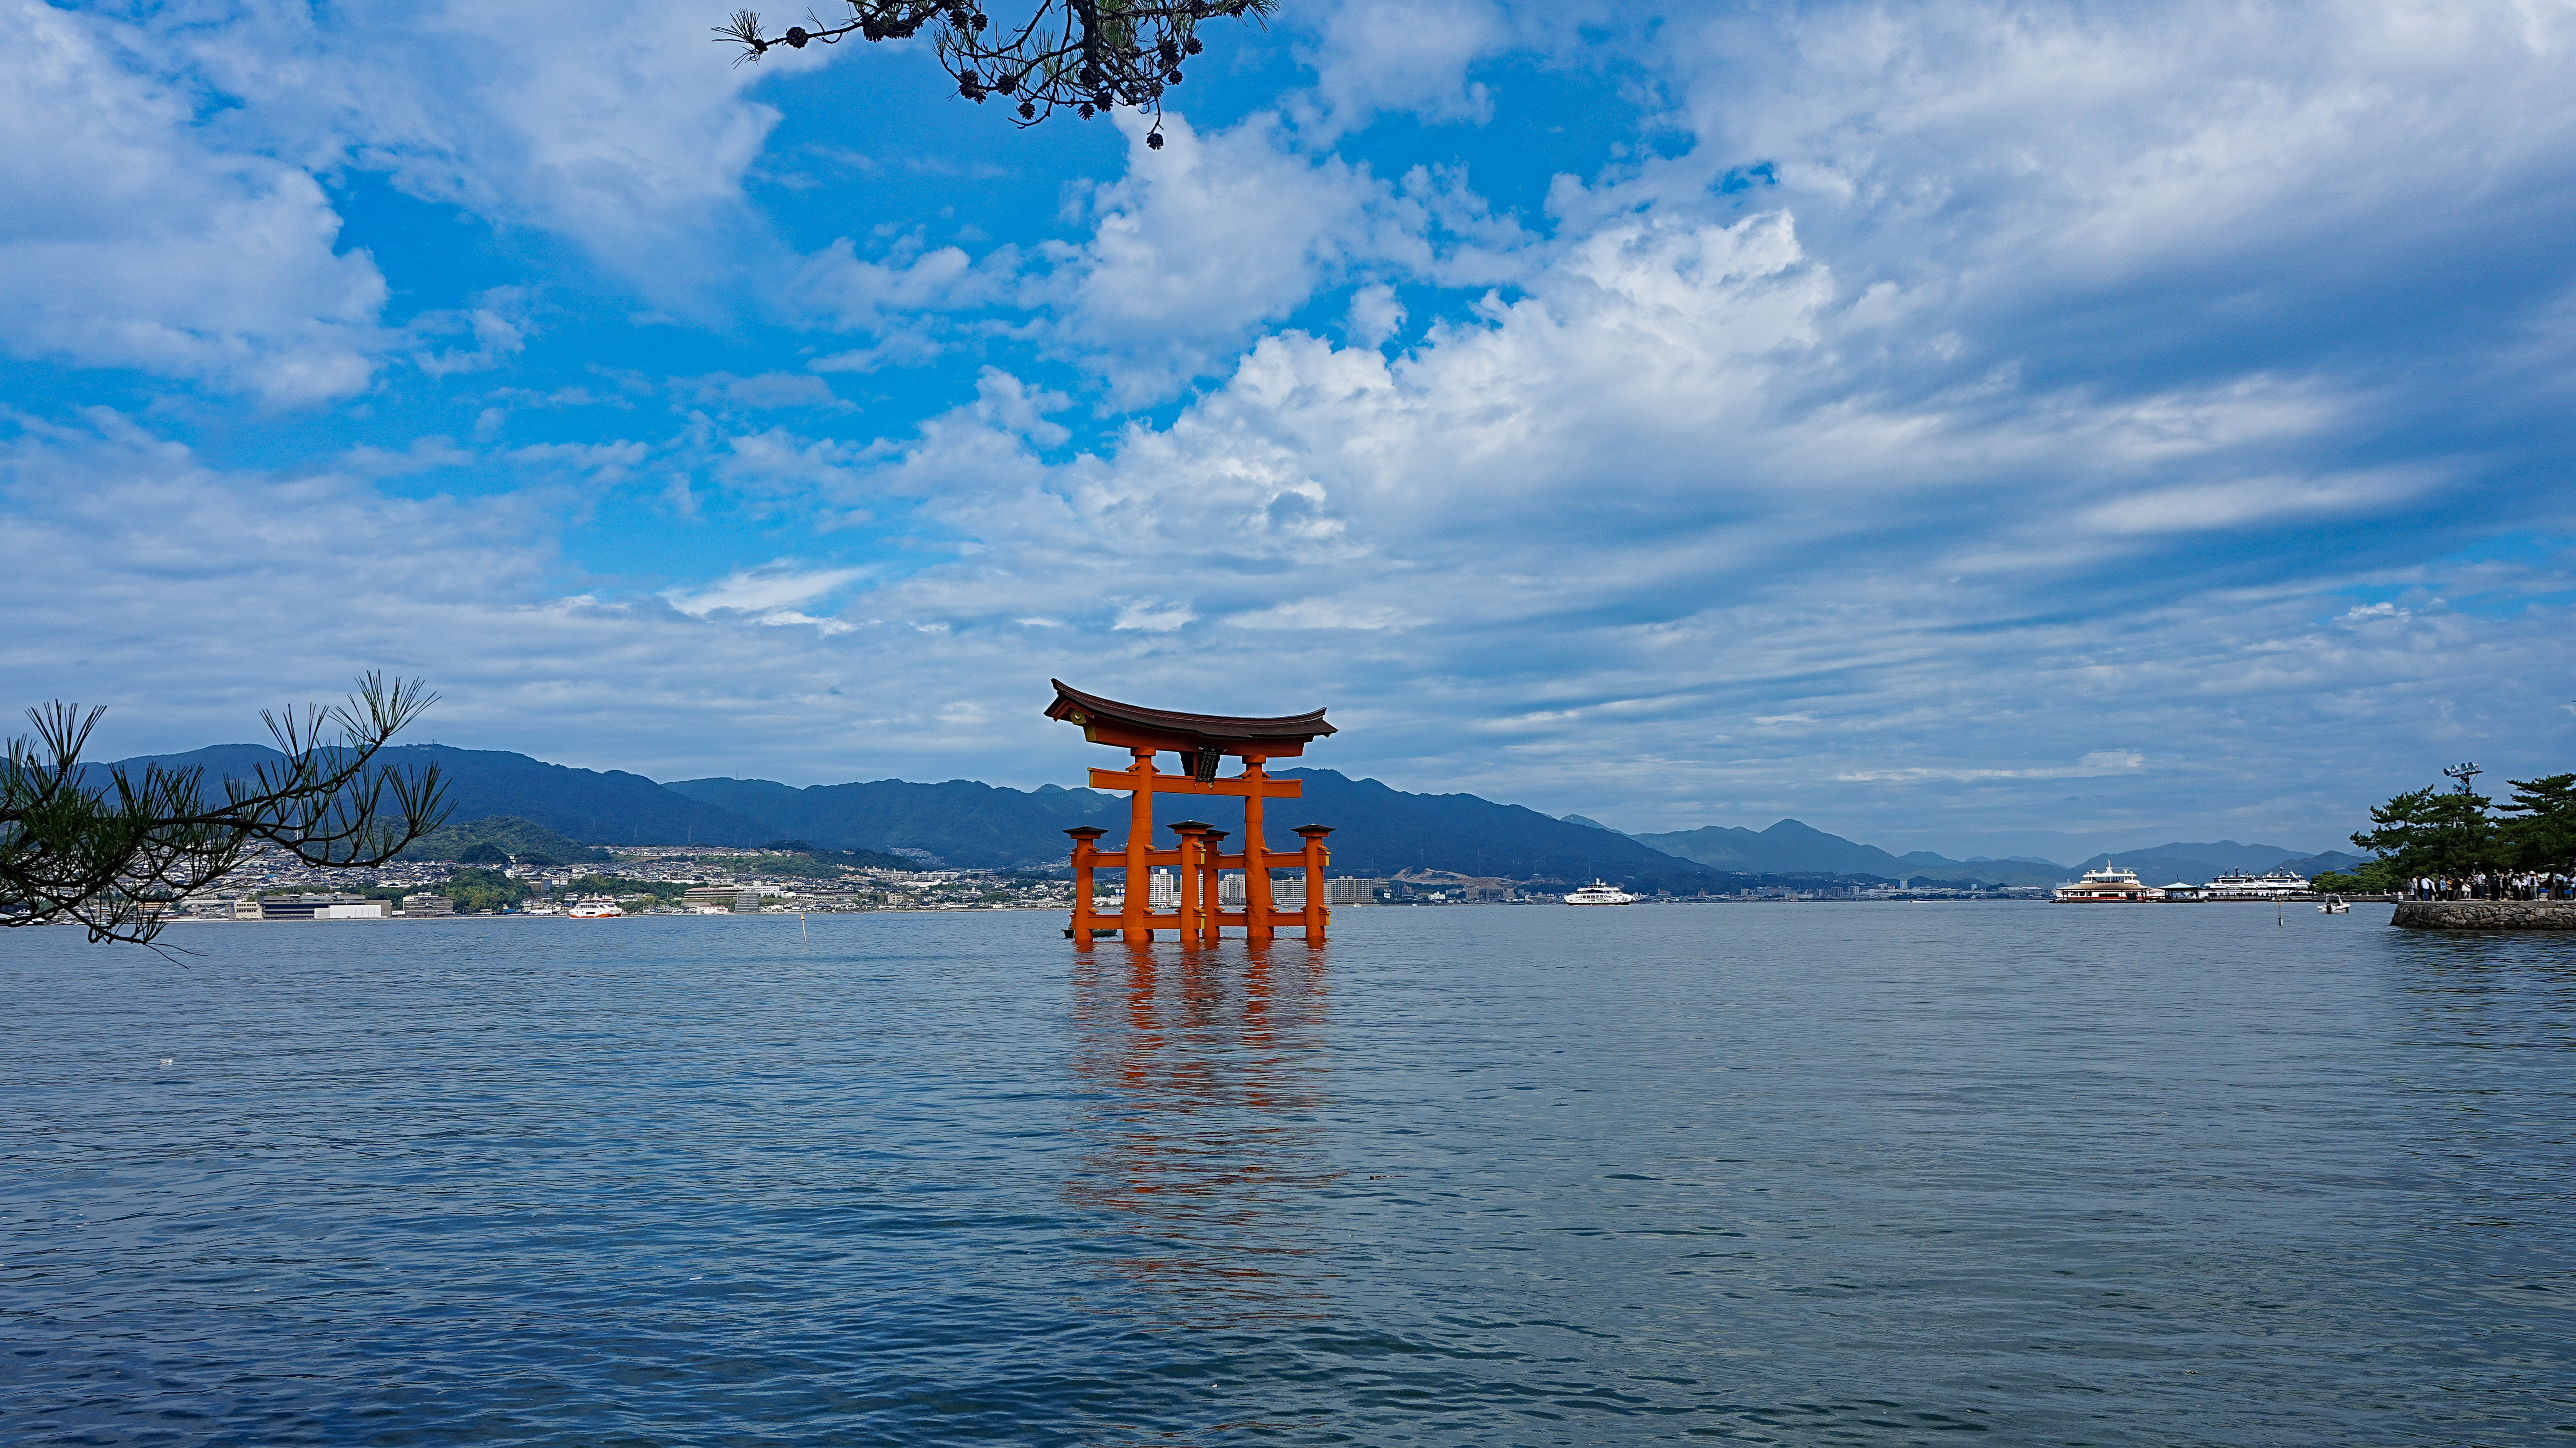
(1211, 877)
(1140, 843)
(1196, 900)
(1317, 857)
(1086, 857)
(1257, 912)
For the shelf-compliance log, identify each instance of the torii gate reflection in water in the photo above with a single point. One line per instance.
(1202, 741)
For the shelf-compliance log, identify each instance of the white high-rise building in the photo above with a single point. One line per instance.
(1287, 892)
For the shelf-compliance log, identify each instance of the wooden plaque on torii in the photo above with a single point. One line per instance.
(1202, 741)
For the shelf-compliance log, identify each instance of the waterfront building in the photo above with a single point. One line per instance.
(1289, 891)
(313, 906)
(425, 904)
(722, 900)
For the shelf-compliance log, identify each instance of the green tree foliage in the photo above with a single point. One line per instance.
(2445, 834)
(2372, 877)
(503, 839)
(2543, 834)
(810, 862)
(105, 849)
(484, 889)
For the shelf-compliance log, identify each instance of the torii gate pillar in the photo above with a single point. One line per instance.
(1202, 741)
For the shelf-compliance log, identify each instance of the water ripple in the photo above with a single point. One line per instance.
(1772, 1174)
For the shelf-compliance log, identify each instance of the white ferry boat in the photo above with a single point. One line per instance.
(2109, 885)
(597, 908)
(1598, 893)
(2271, 885)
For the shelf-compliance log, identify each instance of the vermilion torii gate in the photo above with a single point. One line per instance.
(1202, 741)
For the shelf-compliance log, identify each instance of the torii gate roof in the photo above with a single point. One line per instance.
(1106, 721)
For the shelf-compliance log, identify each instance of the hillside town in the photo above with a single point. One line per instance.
(705, 880)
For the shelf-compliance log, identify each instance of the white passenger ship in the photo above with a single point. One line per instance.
(2270, 885)
(2109, 885)
(598, 908)
(1598, 893)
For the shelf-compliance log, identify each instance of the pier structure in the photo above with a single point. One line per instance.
(1197, 856)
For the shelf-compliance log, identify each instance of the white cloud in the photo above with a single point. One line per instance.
(130, 240)
(2093, 766)
(602, 462)
(1325, 613)
(838, 286)
(1152, 616)
(778, 464)
(497, 322)
(768, 391)
(763, 590)
(1375, 314)
(1208, 237)
(624, 132)
(1371, 58)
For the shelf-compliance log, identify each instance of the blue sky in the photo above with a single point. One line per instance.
(1980, 427)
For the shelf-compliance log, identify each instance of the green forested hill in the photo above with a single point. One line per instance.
(518, 839)
(608, 807)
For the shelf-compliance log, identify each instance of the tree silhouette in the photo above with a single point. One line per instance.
(110, 851)
(1088, 56)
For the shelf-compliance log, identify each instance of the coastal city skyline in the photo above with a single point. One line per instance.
(1957, 429)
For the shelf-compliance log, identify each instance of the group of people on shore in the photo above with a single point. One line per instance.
(2503, 885)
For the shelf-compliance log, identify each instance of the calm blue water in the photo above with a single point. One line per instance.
(1800, 1174)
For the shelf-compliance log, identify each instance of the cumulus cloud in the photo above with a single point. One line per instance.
(854, 294)
(1372, 58)
(1208, 237)
(627, 142)
(1374, 315)
(133, 240)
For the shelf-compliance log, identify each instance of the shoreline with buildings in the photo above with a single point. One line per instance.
(680, 880)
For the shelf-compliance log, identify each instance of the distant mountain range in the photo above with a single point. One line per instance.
(1791, 846)
(608, 807)
(961, 822)
(1379, 830)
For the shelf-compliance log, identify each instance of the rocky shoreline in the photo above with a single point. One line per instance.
(2485, 915)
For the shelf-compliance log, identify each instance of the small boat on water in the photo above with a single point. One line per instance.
(1598, 893)
(596, 908)
(2109, 885)
(2335, 905)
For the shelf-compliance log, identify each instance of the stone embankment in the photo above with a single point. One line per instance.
(2485, 914)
